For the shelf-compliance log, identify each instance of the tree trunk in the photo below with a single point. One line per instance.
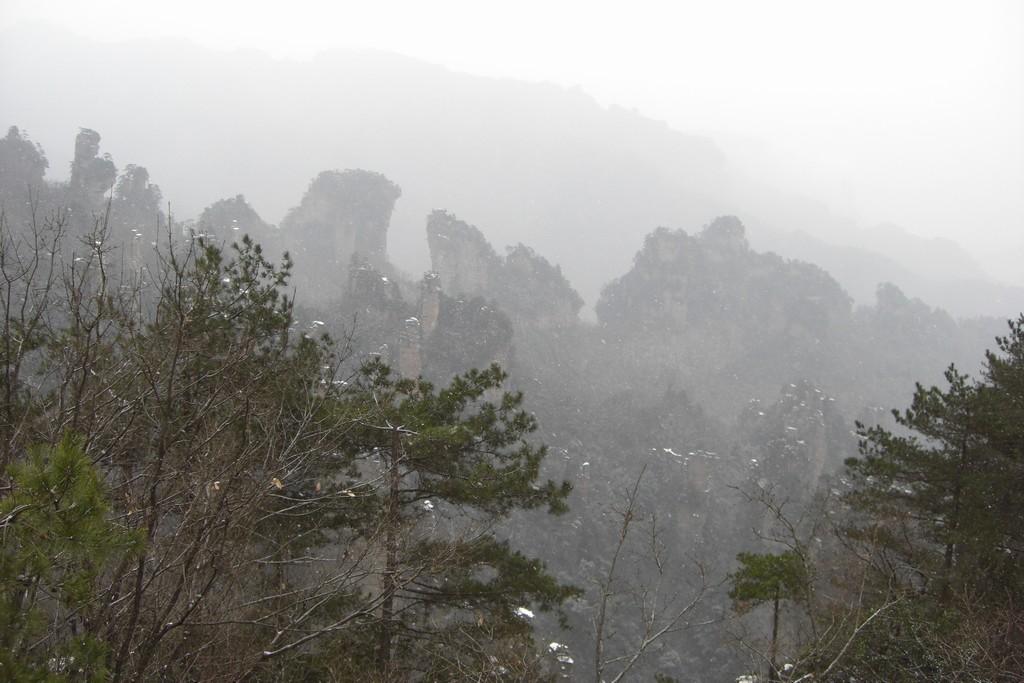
(773, 669)
(953, 523)
(390, 579)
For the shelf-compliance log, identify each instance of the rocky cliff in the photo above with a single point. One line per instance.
(523, 283)
(343, 213)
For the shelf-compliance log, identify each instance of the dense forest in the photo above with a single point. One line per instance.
(233, 450)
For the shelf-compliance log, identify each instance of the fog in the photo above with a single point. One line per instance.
(907, 114)
(545, 342)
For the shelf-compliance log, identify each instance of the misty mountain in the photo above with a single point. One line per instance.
(712, 367)
(939, 271)
(533, 163)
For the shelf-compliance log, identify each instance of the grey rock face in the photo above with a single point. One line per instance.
(343, 213)
(92, 176)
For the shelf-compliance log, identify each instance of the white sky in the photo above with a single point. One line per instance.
(910, 111)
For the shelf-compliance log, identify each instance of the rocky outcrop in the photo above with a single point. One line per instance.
(370, 314)
(343, 213)
(227, 220)
(437, 336)
(788, 446)
(523, 284)
(443, 335)
(460, 255)
(92, 176)
(725, 237)
(470, 333)
(135, 218)
(22, 166)
(410, 349)
(732, 321)
(430, 302)
(535, 292)
(680, 283)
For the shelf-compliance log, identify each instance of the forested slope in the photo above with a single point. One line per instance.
(372, 503)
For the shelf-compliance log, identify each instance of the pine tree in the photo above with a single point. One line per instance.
(768, 578)
(56, 544)
(1003, 425)
(450, 464)
(936, 478)
(940, 509)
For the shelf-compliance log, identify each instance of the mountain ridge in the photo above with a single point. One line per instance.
(535, 163)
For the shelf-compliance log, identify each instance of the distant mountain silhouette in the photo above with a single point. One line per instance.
(533, 163)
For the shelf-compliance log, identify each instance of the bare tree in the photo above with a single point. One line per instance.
(30, 268)
(661, 607)
(836, 595)
(215, 426)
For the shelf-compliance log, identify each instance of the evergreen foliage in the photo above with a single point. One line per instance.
(252, 506)
(58, 543)
(452, 462)
(257, 505)
(22, 165)
(769, 578)
(765, 577)
(941, 506)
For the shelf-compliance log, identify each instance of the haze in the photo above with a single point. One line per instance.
(523, 343)
(906, 112)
